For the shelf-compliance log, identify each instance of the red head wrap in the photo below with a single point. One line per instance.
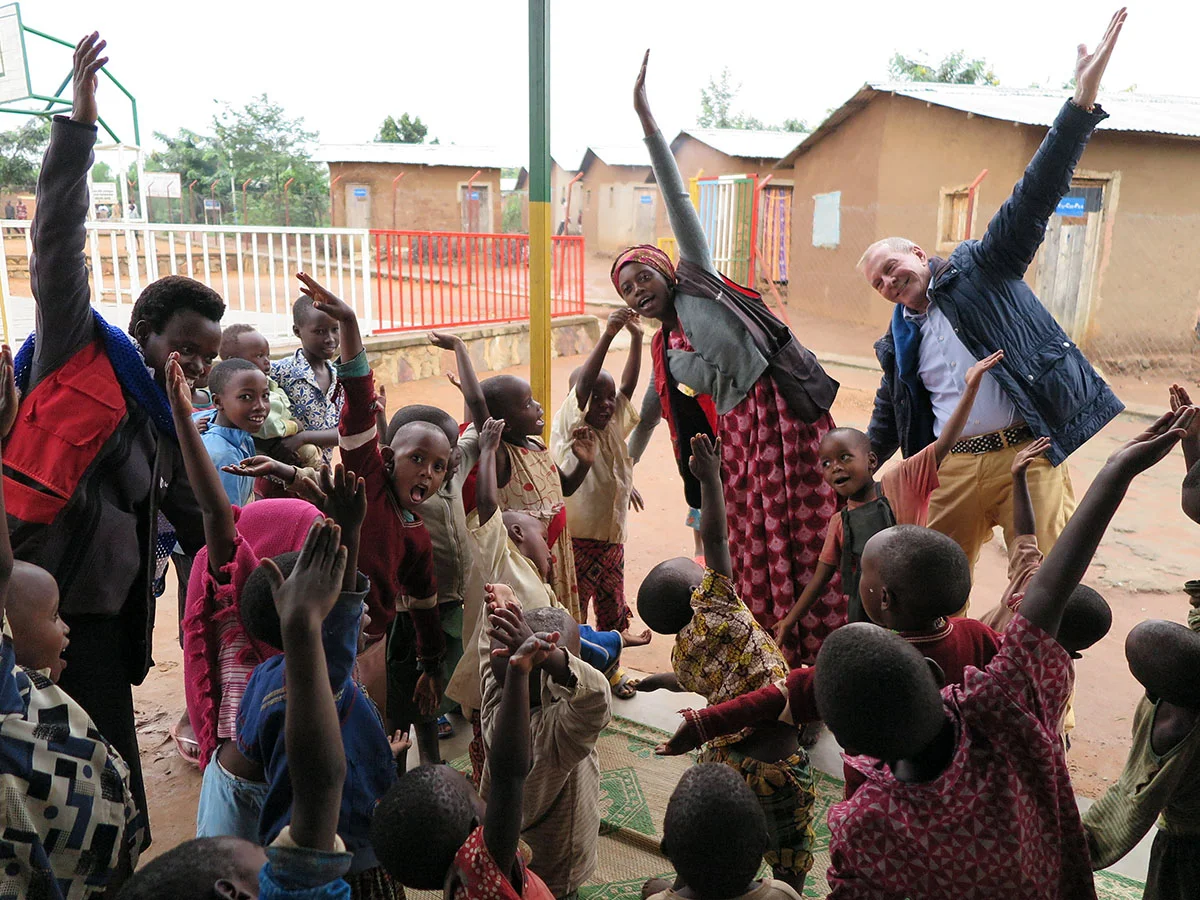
(647, 255)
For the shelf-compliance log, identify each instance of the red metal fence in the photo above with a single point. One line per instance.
(430, 279)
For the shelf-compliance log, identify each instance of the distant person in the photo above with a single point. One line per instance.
(10, 213)
(950, 313)
(22, 210)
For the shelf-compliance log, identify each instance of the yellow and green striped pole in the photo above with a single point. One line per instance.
(539, 205)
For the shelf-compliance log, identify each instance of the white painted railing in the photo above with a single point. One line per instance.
(254, 269)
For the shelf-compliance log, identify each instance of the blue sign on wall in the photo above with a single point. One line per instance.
(645, 198)
(474, 195)
(360, 193)
(1071, 207)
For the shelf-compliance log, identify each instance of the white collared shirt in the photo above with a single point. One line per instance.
(943, 363)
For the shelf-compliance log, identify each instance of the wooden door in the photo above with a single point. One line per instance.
(358, 206)
(1068, 259)
(475, 208)
(643, 215)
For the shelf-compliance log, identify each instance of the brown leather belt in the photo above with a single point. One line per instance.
(995, 440)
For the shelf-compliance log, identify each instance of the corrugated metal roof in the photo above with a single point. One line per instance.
(1166, 114)
(619, 154)
(746, 143)
(458, 155)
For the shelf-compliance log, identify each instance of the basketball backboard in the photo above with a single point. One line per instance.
(14, 72)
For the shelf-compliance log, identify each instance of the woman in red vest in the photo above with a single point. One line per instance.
(724, 365)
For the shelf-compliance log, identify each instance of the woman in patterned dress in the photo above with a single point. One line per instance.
(708, 368)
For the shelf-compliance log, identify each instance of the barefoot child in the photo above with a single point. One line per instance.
(715, 834)
(308, 858)
(433, 832)
(986, 752)
(570, 705)
(397, 551)
(901, 496)
(721, 652)
(243, 341)
(596, 510)
(526, 474)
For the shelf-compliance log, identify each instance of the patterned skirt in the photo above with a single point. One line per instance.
(778, 507)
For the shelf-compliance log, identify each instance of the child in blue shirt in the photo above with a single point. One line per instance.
(242, 397)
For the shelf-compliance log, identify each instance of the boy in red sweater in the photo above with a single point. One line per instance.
(396, 550)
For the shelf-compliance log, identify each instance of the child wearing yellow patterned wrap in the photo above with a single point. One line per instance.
(721, 652)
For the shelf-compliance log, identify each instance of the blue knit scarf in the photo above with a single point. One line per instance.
(129, 366)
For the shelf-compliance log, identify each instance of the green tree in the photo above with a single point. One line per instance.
(954, 68)
(798, 125)
(716, 108)
(21, 152)
(403, 130)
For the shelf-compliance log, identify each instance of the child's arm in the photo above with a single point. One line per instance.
(1024, 521)
(381, 420)
(220, 533)
(318, 774)
(338, 309)
(509, 758)
(633, 365)
(617, 320)
(662, 681)
(714, 529)
(822, 575)
(583, 445)
(468, 383)
(958, 419)
(486, 491)
(8, 401)
(346, 503)
(1064, 567)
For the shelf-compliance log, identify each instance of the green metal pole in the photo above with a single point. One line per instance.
(540, 217)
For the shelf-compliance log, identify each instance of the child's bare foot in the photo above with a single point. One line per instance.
(629, 639)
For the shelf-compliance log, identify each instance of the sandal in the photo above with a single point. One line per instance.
(623, 687)
(445, 728)
(187, 747)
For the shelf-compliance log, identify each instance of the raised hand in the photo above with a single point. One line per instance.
(583, 444)
(1089, 67)
(976, 372)
(400, 743)
(445, 341)
(323, 300)
(489, 438)
(507, 627)
(705, 461)
(684, 740)
(618, 319)
(179, 392)
(535, 651)
(1027, 454)
(453, 379)
(641, 104)
(307, 595)
(85, 75)
(345, 496)
(1154, 443)
(1181, 399)
(636, 503)
(10, 397)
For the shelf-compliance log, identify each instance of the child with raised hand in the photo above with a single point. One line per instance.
(308, 858)
(985, 752)
(370, 757)
(218, 654)
(721, 652)
(397, 551)
(570, 705)
(526, 475)
(1190, 494)
(715, 834)
(62, 848)
(433, 832)
(1161, 778)
(597, 509)
(241, 341)
(899, 497)
(310, 381)
(241, 394)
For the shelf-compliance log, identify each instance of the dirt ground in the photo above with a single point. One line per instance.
(1140, 567)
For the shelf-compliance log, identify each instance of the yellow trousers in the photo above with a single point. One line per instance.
(976, 495)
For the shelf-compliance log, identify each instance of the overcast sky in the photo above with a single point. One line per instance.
(461, 65)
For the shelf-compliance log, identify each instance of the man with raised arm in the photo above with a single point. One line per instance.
(951, 313)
